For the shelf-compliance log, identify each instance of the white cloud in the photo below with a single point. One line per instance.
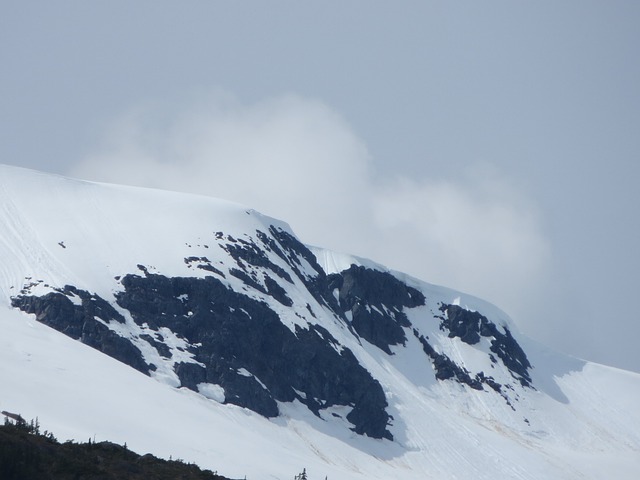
(290, 157)
(474, 233)
(297, 159)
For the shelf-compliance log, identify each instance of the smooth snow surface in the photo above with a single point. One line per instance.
(581, 422)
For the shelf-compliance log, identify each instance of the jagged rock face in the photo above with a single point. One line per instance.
(470, 326)
(206, 334)
(245, 348)
(446, 368)
(242, 346)
(86, 321)
(374, 301)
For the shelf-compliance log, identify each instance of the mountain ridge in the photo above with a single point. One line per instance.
(228, 303)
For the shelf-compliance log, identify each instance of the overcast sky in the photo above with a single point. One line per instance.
(492, 147)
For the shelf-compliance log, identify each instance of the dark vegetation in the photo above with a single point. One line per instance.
(27, 454)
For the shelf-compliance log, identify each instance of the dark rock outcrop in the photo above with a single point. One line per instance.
(236, 340)
(248, 351)
(375, 301)
(80, 322)
(469, 326)
(446, 368)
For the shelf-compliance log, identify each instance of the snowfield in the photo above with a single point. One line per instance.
(581, 421)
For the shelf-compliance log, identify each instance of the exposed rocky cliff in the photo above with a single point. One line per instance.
(215, 338)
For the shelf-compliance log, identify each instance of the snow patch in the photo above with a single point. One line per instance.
(212, 391)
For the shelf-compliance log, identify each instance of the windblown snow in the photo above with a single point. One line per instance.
(576, 420)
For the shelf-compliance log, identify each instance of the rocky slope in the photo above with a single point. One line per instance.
(211, 297)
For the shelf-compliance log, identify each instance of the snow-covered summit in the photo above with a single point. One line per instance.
(84, 233)
(245, 343)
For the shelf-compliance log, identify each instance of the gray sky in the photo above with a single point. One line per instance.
(488, 146)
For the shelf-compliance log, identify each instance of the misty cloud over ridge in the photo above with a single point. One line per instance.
(297, 159)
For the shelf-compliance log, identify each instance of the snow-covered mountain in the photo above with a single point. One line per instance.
(231, 344)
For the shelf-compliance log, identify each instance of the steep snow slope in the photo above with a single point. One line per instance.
(558, 418)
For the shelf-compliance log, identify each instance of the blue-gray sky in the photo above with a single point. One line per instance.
(489, 146)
